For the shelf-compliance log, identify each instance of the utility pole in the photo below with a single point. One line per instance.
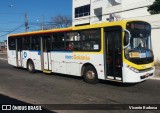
(42, 22)
(26, 22)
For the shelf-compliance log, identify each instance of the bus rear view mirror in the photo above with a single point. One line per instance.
(127, 38)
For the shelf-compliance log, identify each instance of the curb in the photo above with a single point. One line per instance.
(3, 59)
(155, 78)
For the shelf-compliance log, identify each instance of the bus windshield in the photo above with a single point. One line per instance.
(140, 49)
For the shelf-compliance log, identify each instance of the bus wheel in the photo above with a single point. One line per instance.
(90, 75)
(30, 67)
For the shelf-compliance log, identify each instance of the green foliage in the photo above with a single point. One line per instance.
(155, 7)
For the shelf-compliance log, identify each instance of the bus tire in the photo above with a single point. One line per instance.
(30, 66)
(90, 75)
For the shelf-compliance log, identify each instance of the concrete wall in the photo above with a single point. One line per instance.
(156, 43)
(127, 9)
(81, 20)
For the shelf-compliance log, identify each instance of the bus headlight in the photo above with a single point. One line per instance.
(133, 69)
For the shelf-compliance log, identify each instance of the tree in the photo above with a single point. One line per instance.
(61, 21)
(155, 7)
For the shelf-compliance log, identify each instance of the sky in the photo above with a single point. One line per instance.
(12, 14)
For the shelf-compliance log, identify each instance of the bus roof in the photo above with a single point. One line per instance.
(97, 25)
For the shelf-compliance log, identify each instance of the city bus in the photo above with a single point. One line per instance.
(118, 51)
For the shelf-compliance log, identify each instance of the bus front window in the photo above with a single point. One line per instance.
(140, 50)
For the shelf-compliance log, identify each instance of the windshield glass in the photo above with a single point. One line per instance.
(140, 49)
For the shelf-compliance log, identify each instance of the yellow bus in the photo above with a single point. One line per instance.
(118, 51)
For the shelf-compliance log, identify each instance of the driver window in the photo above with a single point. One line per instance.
(137, 42)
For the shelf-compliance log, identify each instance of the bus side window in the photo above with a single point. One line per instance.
(26, 43)
(73, 41)
(91, 40)
(47, 43)
(58, 42)
(35, 43)
(12, 43)
(86, 46)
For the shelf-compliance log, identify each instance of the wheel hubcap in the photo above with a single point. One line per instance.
(30, 67)
(90, 75)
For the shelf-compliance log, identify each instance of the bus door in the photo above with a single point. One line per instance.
(113, 53)
(46, 52)
(19, 52)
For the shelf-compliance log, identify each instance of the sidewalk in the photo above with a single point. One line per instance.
(3, 52)
(3, 55)
(157, 73)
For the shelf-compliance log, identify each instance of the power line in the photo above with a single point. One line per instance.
(11, 13)
(12, 30)
(11, 22)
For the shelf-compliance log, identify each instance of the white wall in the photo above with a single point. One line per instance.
(135, 13)
(95, 4)
(156, 43)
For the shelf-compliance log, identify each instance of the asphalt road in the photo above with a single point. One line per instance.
(40, 88)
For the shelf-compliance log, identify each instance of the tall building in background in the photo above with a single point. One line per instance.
(86, 12)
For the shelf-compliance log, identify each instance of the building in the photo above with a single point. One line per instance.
(3, 46)
(94, 11)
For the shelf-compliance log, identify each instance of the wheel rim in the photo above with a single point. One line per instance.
(30, 67)
(90, 75)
